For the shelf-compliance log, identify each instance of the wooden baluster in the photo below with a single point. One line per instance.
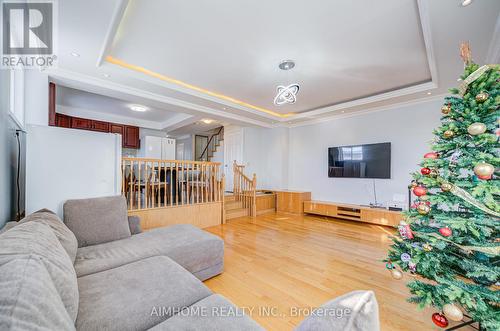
(158, 184)
(123, 178)
(223, 185)
(139, 185)
(188, 189)
(171, 184)
(183, 200)
(164, 171)
(254, 198)
(198, 181)
(203, 181)
(131, 189)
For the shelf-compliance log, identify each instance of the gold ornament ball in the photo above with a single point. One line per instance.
(423, 209)
(476, 128)
(446, 109)
(434, 173)
(424, 197)
(482, 97)
(448, 134)
(445, 187)
(396, 274)
(427, 247)
(484, 169)
(414, 184)
(452, 312)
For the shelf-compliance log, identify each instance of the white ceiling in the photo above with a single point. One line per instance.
(392, 51)
(81, 100)
(234, 48)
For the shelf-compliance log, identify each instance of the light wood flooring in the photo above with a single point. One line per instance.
(284, 260)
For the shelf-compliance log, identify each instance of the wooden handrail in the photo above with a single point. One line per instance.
(209, 141)
(245, 189)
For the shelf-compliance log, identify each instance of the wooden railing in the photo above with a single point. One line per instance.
(153, 183)
(245, 189)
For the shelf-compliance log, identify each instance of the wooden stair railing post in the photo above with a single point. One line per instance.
(223, 199)
(254, 195)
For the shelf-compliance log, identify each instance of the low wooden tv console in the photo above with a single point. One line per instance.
(356, 213)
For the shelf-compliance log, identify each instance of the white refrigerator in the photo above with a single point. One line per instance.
(64, 164)
(157, 148)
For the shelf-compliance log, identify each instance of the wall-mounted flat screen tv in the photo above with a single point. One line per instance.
(360, 161)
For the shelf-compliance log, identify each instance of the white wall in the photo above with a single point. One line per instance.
(67, 164)
(265, 153)
(36, 96)
(6, 134)
(409, 129)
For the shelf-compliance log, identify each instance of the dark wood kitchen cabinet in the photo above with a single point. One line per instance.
(81, 123)
(100, 126)
(131, 137)
(63, 121)
(117, 128)
(130, 134)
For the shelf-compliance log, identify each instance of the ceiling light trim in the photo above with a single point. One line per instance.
(188, 86)
(68, 78)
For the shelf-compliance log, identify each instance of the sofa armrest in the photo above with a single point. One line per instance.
(357, 310)
(134, 222)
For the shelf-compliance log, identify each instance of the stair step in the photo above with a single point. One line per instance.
(229, 205)
(235, 213)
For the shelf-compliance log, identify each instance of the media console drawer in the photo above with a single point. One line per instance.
(353, 212)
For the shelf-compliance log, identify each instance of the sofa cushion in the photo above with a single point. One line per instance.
(97, 220)
(29, 299)
(357, 310)
(213, 313)
(196, 250)
(65, 236)
(134, 224)
(37, 239)
(126, 298)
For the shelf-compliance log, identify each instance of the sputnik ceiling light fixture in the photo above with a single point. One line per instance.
(286, 94)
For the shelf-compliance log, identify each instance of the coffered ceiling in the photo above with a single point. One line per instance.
(220, 58)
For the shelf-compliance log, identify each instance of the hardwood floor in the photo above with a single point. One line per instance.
(279, 261)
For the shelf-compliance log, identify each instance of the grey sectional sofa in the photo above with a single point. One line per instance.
(97, 271)
(75, 275)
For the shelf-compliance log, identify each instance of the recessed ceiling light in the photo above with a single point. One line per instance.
(466, 2)
(75, 54)
(106, 75)
(138, 108)
(207, 121)
(224, 108)
(343, 111)
(429, 93)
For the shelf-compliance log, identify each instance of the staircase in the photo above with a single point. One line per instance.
(213, 146)
(243, 200)
(234, 208)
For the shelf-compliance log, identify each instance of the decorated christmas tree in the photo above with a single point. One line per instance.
(449, 244)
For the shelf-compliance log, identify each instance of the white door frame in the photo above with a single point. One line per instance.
(233, 151)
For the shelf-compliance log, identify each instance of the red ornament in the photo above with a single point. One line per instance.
(425, 171)
(419, 191)
(440, 320)
(431, 155)
(445, 232)
(484, 177)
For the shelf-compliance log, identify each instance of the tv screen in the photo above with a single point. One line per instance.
(360, 161)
